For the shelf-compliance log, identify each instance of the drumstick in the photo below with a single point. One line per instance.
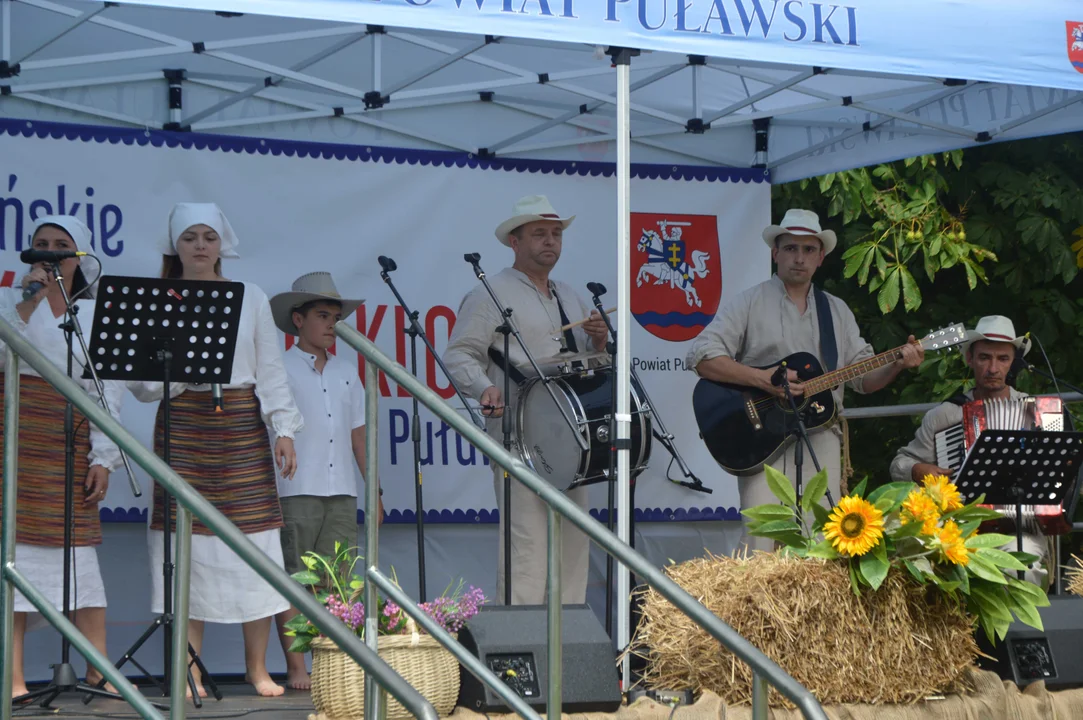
(577, 323)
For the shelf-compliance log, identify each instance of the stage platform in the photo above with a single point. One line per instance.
(989, 698)
(239, 699)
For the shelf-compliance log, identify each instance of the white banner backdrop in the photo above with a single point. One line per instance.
(300, 207)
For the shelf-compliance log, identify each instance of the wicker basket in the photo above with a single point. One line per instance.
(338, 683)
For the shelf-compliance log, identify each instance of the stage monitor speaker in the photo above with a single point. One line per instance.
(1054, 655)
(512, 642)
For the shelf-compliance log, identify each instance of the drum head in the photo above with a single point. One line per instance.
(548, 444)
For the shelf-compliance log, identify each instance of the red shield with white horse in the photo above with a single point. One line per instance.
(676, 273)
(1075, 44)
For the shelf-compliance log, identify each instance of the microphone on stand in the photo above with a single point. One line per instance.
(474, 259)
(387, 264)
(30, 257)
(596, 288)
(216, 396)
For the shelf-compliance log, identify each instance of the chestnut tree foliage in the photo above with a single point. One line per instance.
(947, 238)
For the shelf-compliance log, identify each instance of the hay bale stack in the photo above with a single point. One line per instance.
(900, 644)
(1074, 575)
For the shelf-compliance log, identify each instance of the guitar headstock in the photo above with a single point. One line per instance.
(944, 337)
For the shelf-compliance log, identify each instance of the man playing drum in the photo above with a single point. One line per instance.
(474, 357)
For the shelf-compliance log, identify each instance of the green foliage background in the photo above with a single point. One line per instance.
(948, 238)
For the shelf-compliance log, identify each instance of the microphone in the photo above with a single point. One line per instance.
(31, 257)
(780, 375)
(596, 288)
(387, 263)
(31, 290)
(216, 396)
(472, 258)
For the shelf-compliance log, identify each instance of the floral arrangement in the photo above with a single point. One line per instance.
(926, 530)
(340, 590)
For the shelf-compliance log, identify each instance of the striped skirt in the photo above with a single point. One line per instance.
(225, 456)
(41, 468)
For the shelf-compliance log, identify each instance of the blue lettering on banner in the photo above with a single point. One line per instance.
(435, 444)
(17, 216)
(788, 21)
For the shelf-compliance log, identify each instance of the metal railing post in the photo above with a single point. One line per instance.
(374, 699)
(187, 497)
(7, 532)
(182, 579)
(83, 646)
(554, 697)
(759, 697)
(560, 503)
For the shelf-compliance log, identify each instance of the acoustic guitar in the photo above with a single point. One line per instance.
(745, 427)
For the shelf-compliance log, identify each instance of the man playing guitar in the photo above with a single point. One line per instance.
(776, 318)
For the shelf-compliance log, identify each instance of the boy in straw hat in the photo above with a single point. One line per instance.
(776, 318)
(319, 506)
(990, 351)
(540, 307)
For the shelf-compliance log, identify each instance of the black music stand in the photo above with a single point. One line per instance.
(1021, 467)
(167, 330)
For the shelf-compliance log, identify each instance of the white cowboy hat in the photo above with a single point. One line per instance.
(800, 223)
(995, 328)
(308, 288)
(531, 208)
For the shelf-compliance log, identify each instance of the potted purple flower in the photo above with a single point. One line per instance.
(337, 681)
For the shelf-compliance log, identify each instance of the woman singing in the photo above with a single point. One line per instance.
(37, 312)
(226, 455)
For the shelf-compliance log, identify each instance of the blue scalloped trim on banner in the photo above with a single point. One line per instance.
(479, 517)
(365, 153)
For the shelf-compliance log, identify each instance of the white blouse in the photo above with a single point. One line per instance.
(44, 333)
(256, 361)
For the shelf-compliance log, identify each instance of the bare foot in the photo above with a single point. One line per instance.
(299, 681)
(199, 688)
(264, 685)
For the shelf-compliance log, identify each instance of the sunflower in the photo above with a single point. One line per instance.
(952, 545)
(919, 507)
(855, 526)
(946, 496)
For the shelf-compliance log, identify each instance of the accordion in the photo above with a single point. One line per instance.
(1031, 413)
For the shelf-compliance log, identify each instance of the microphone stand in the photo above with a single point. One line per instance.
(781, 378)
(64, 678)
(507, 328)
(414, 331)
(664, 437)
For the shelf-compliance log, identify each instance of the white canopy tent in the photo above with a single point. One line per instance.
(794, 87)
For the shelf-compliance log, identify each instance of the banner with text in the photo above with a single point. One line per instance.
(301, 207)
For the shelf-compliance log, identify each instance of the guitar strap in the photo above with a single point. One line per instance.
(828, 346)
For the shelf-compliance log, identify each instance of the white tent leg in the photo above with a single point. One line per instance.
(624, 317)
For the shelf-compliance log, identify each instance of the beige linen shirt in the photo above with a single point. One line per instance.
(762, 325)
(922, 449)
(536, 316)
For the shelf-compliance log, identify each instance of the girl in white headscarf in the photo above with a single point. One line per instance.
(36, 310)
(226, 455)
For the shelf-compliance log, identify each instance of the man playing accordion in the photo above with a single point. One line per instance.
(938, 447)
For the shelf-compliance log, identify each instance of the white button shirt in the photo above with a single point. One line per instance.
(332, 404)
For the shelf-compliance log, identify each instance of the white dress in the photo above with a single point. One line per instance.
(44, 566)
(224, 589)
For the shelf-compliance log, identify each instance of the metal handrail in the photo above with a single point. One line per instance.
(764, 669)
(882, 411)
(187, 498)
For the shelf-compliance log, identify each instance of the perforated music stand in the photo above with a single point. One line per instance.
(168, 330)
(1021, 467)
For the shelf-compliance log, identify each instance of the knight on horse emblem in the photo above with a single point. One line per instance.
(1075, 44)
(666, 260)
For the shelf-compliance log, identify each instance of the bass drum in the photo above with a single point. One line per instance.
(548, 443)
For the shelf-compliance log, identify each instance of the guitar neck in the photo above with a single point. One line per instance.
(833, 379)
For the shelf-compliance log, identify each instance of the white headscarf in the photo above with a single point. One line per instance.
(185, 215)
(80, 235)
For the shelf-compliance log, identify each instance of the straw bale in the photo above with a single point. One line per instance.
(1074, 575)
(900, 644)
